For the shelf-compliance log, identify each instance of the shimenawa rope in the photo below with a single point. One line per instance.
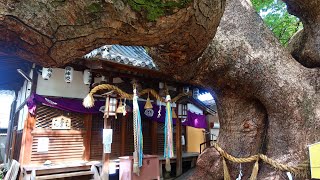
(88, 101)
(301, 170)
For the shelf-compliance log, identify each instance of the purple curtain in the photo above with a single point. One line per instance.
(65, 104)
(193, 119)
(75, 105)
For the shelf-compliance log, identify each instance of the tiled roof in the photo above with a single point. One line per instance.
(130, 55)
(211, 104)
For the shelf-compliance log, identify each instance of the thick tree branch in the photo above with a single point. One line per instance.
(60, 31)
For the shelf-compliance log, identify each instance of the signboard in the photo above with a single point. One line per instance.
(61, 122)
(107, 140)
(107, 136)
(106, 148)
(43, 144)
(314, 152)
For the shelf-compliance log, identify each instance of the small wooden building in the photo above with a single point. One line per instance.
(50, 139)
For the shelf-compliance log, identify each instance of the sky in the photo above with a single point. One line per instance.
(205, 96)
(6, 98)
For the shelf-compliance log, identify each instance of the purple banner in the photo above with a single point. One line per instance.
(65, 104)
(193, 119)
(75, 105)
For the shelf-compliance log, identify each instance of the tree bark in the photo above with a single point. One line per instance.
(53, 33)
(247, 60)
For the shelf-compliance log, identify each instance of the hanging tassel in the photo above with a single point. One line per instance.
(137, 135)
(88, 101)
(225, 170)
(168, 131)
(136, 168)
(255, 170)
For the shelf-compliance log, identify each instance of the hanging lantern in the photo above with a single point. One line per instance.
(161, 85)
(148, 104)
(113, 107)
(174, 115)
(195, 93)
(185, 89)
(87, 77)
(46, 73)
(68, 74)
(110, 107)
(182, 112)
(120, 108)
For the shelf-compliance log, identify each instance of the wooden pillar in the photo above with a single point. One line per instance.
(123, 135)
(14, 135)
(87, 145)
(27, 138)
(105, 158)
(207, 137)
(178, 147)
(154, 137)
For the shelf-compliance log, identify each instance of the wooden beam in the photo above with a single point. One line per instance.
(154, 137)
(87, 146)
(178, 147)
(123, 135)
(56, 132)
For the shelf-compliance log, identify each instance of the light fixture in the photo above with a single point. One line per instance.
(20, 71)
(110, 107)
(68, 74)
(46, 73)
(87, 77)
(195, 93)
(182, 112)
(185, 89)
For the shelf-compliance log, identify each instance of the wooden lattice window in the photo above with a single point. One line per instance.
(45, 115)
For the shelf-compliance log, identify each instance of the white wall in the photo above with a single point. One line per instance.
(23, 94)
(56, 86)
(194, 109)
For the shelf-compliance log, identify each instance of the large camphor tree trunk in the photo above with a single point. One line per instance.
(268, 102)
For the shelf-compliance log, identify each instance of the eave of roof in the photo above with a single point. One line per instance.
(135, 56)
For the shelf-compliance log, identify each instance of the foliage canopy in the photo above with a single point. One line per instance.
(274, 13)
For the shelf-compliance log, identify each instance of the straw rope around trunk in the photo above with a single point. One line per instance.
(88, 101)
(301, 170)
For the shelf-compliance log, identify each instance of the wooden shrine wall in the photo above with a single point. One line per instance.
(64, 145)
(96, 137)
(129, 147)
(160, 134)
(17, 145)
